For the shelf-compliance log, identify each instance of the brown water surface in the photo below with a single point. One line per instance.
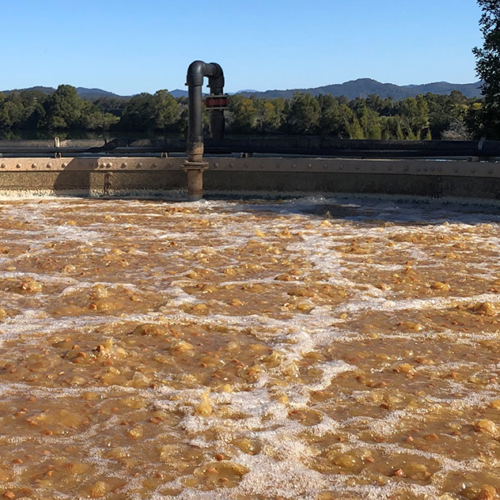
(249, 350)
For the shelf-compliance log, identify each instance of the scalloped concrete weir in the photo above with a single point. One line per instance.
(228, 175)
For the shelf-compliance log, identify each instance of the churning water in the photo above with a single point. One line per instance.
(317, 349)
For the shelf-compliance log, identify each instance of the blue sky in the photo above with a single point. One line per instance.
(129, 47)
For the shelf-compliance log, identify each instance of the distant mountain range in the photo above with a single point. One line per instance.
(84, 93)
(91, 94)
(179, 93)
(362, 87)
(366, 86)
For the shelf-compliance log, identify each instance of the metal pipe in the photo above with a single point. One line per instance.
(196, 72)
(217, 124)
(195, 183)
(195, 125)
(194, 166)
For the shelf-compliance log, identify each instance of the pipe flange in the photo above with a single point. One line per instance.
(195, 165)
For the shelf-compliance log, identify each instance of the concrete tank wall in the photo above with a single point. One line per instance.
(108, 175)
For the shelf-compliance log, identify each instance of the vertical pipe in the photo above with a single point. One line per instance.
(194, 166)
(195, 124)
(217, 124)
(195, 183)
(216, 84)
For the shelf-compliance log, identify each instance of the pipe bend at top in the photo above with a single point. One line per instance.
(199, 69)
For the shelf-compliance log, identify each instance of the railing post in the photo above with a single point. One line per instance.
(57, 144)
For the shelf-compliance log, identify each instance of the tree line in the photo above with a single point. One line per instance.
(424, 117)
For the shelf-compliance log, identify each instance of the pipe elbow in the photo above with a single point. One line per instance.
(214, 70)
(216, 79)
(199, 69)
(195, 73)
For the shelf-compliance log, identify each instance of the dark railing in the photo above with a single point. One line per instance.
(296, 146)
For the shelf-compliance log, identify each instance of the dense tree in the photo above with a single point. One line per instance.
(93, 118)
(488, 66)
(138, 114)
(448, 112)
(370, 122)
(33, 110)
(242, 115)
(391, 128)
(414, 113)
(473, 120)
(439, 114)
(303, 115)
(62, 109)
(113, 105)
(11, 113)
(269, 114)
(166, 111)
(375, 103)
(330, 121)
(352, 126)
(145, 112)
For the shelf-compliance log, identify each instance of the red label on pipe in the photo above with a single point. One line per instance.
(216, 102)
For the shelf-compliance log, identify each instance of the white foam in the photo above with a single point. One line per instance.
(279, 470)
